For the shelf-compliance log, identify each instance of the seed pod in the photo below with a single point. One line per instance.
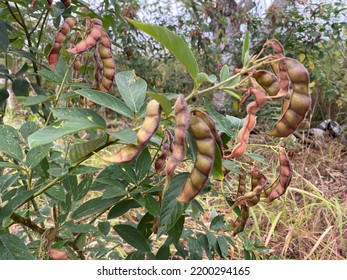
(166, 149)
(94, 35)
(66, 3)
(258, 183)
(241, 221)
(50, 2)
(294, 80)
(57, 254)
(59, 38)
(205, 152)
(212, 125)
(109, 68)
(249, 122)
(181, 128)
(147, 130)
(279, 187)
(242, 184)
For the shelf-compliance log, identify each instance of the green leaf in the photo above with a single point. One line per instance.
(5, 164)
(224, 73)
(28, 128)
(174, 43)
(4, 42)
(34, 100)
(195, 250)
(23, 70)
(143, 165)
(236, 123)
(146, 224)
(122, 207)
(13, 248)
(176, 231)
(132, 89)
(163, 253)
(107, 100)
(79, 228)
(3, 96)
(35, 155)
(82, 188)
(245, 49)
(223, 246)
(21, 87)
(72, 113)
(104, 227)
(203, 77)
(93, 206)
(218, 223)
(171, 209)
(61, 128)
(56, 192)
(164, 102)
(9, 143)
(152, 205)
(217, 168)
(232, 94)
(133, 237)
(231, 166)
(14, 203)
(126, 136)
(80, 150)
(258, 158)
(114, 189)
(51, 76)
(222, 123)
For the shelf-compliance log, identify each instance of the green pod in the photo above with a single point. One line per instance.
(205, 152)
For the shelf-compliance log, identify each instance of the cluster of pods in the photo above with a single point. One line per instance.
(288, 81)
(97, 39)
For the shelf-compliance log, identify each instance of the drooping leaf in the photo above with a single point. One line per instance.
(171, 210)
(107, 100)
(93, 206)
(223, 246)
(132, 89)
(13, 248)
(28, 128)
(61, 128)
(9, 143)
(80, 150)
(51, 76)
(174, 43)
(133, 237)
(143, 165)
(20, 87)
(176, 231)
(195, 250)
(152, 205)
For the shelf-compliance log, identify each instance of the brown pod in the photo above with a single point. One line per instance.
(241, 221)
(212, 125)
(294, 80)
(249, 122)
(57, 254)
(279, 187)
(94, 35)
(109, 68)
(166, 149)
(241, 190)
(182, 123)
(66, 3)
(258, 182)
(205, 152)
(147, 130)
(59, 38)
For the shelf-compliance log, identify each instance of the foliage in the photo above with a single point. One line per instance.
(54, 186)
